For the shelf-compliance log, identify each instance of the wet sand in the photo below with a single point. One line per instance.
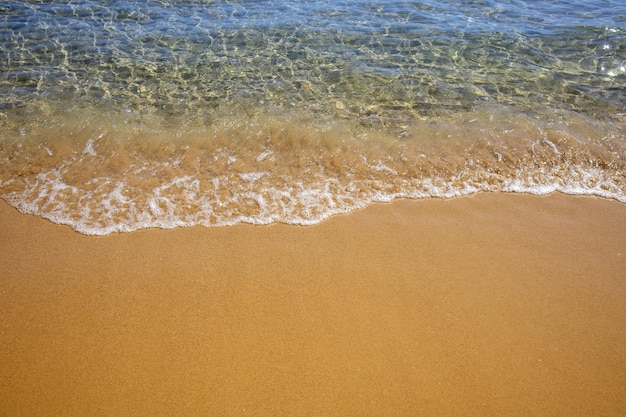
(494, 305)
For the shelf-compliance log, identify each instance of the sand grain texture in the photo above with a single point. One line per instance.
(505, 305)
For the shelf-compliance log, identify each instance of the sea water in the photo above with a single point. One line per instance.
(121, 115)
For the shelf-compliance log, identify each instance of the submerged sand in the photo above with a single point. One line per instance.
(494, 305)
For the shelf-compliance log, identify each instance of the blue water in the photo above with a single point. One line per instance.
(443, 53)
(117, 115)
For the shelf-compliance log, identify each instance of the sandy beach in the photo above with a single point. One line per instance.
(492, 305)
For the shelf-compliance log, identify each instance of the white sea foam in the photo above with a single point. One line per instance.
(89, 148)
(299, 204)
(264, 155)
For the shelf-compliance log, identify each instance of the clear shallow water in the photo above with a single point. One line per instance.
(120, 115)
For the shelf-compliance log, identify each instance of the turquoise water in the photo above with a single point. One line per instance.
(120, 115)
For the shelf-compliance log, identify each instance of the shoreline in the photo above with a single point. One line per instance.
(493, 304)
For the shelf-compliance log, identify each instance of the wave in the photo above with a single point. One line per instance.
(120, 172)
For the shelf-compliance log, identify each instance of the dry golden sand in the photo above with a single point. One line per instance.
(494, 305)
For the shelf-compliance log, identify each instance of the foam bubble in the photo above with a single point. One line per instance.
(89, 148)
